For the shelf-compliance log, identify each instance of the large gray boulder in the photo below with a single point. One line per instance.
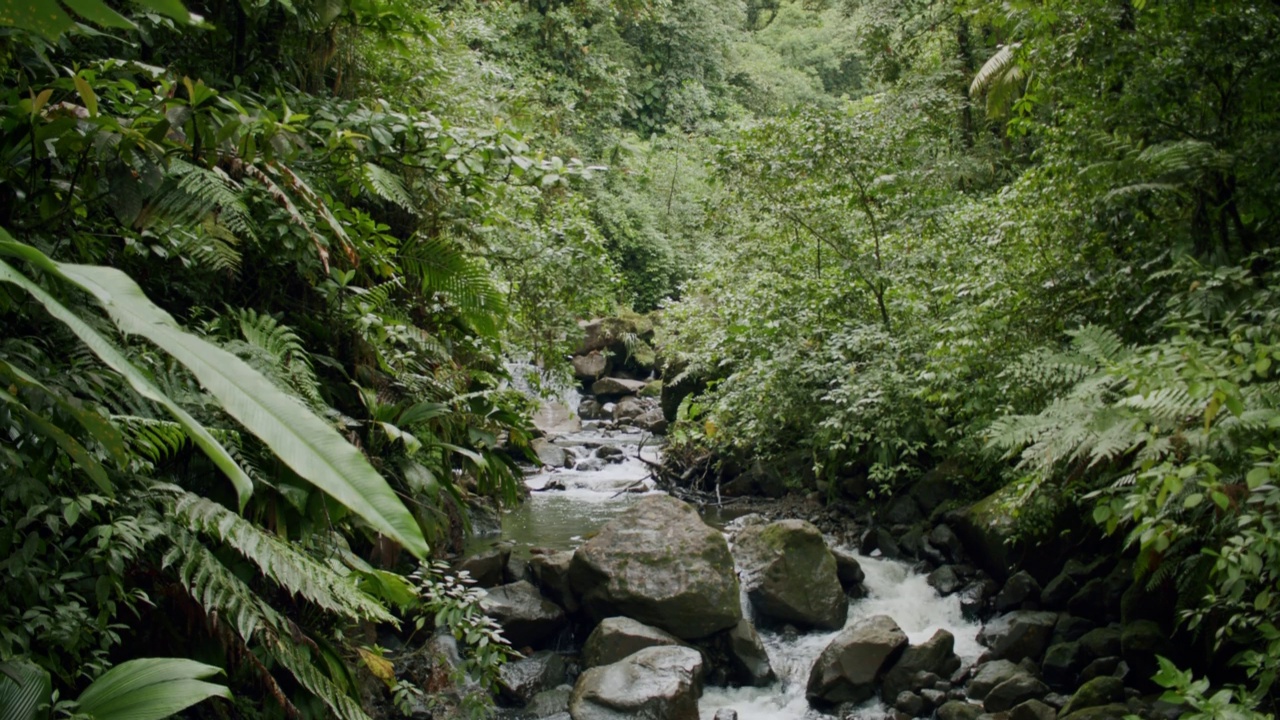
(613, 387)
(790, 575)
(617, 637)
(661, 565)
(748, 658)
(935, 655)
(1019, 635)
(991, 674)
(628, 408)
(1014, 691)
(590, 366)
(656, 683)
(527, 618)
(853, 663)
(520, 680)
(547, 452)
(551, 574)
(554, 418)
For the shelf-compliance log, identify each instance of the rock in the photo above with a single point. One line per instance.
(617, 637)
(554, 418)
(1140, 642)
(1100, 667)
(656, 682)
(1018, 589)
(589, 465)
(934, 656)
(590, 409)
(958, 710)
(611, 453)
(1063, 663)
(947, 542)
(945, 580)
(991, 674)
(1098, 691)
(550, 702)
(614, 387)
(1070, 628)
(1014, 691)
(1101, 712)
(660, 564)
(987, 530)
(516, 569)
(850, 666)
(551, 574)
(520, 680)
(913, 544)
(628, 408)
(527, 618)
(975, 595)
(1018, 635)
(652, 420)
(485, 567)
(1101, 642)
(591, 366)
(1090, 601)
(748, 658)
(790, 575)
(909, 703)
(726, 714)
(902, 510)
(849, 572)
(1033, 710)
(887, 544)
(1058, 592)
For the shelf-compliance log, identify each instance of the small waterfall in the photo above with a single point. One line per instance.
(893, 590)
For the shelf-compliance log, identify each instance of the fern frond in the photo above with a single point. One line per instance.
(385, 184)
(288, 357)
(155, 440)
(442, 268)
(1097, 343)
(218, 590)
(279, 561)
(994, 68)
(296, 660)
(196, 194)
(1168, 404)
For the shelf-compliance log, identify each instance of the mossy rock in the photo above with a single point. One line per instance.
(652, 390)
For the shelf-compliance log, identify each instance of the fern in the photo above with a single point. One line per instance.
(303, 669)
(279, 561)
(382, 183)
(219, 591)
(195, 195)
(286, 357)
(441, 268)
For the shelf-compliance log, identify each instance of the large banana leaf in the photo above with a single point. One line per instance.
(24, 690)
(304, 442)
(149, 689)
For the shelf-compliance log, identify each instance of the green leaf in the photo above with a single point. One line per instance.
(24, 689)
(87, 94)
(96, 425)
(1257, 476)
(96, 11)
(150, 689)
(173, 8)
(304, 442)
(69, 445)
(107, 351)
(43, 17)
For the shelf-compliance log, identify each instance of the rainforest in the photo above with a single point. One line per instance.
(664, 359)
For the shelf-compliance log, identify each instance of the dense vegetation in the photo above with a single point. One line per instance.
(264, 261)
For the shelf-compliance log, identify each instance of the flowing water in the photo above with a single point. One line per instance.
(568, 505)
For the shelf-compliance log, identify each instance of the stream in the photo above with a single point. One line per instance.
(604, 484)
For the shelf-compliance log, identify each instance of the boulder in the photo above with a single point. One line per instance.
(614, 387)
(1018, 635)
(987, 530)
(554, 418)
(548, 454)
(726, 714)
(945, 580)
(551, 574)
(850, 667)
(975, 596)
(1090, 601)
(617, 637)
(902, 510)
(936, 655)
(790, 575)
(1033, 710)
(958, 710)
(1140, 642)
(652, 420)
(1102, 642)
(590, 409)
(628, 408)
(1099, 691)
(1019, 589)
(485, 567)
(991, 674)
(656, 682)
(1014, 691)
(748, 658)
(550, 702)
(1071, 629)
(1103, 666)
(661, 565)
(1058, 592)
(909, 703)
(1063, 663)
(591, 366)
(1115, 711)
(520, 680)
(527, 618)
(849, 572)
(947, 542)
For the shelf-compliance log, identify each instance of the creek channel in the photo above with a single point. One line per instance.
(567, 505)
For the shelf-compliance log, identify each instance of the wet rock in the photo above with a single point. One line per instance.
(902, 510)
(849, 572)
(1117, 711)
(615, 387)
(652, 420)
(1063, 663)
(1140, 642)
(550, 702)
(1104, 666)
(936, 656)
(887, 544)
(975, 595)
(1070, 628)
(987, 530)
(1033, 710)
(661, 565)
(617, 637)
(1014, 691)
(554, 418)
(656, 682)
(1018, 635)
(946, 540)
(991, 674)
(1098, 691)
(628, 408)
(1102, 642)
(520, 680)
(931, 492)
(527, 618)
(790, 575)
(610, 453)
(591, 366)
(485, 567)
(551, 575)
(909, 703)
(1090, 601)
(590, 409)
(945, 580)
(933, 698)
(589, 465)
(516, 569)
(748, 658)
(849, 667)
(958, 710)
(548, 454)
(1018, 590)
(1058, 592)
(726, 714)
